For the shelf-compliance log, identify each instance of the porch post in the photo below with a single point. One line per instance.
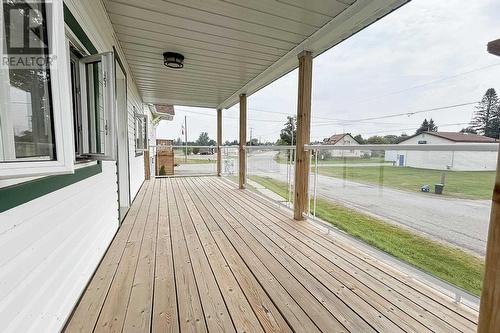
(219, 142)
(243, 140)
(489, 311)
(303, 135)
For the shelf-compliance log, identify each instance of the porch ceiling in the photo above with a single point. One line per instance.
(230, 47)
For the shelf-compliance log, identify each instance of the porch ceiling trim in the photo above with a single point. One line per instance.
(231, 47)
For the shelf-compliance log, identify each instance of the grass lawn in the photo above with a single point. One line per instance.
(181, 160)
(448, 263)
(284, 159)
(462, 184)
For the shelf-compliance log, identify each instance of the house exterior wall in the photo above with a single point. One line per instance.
(441, 160)
(52, 245)
(346, 141)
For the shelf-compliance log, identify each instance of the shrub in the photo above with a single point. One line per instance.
(162, 171)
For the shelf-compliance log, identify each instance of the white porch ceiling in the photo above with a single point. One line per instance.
(230, 46)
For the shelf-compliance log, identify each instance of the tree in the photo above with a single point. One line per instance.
(427, 126)
(359, 139)
(377, 140)
(287, 132)
(402, 137)
(253, 142)
(486, 119)
(391, 139)
(231, 143)
(468, 130)
(203, 139)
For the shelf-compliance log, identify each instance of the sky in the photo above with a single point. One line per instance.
(426, 55)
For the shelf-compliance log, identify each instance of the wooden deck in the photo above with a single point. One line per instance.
(199, 255)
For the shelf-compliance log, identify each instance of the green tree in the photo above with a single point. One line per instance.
(468, 130)
(288, 132)
(359, 139)
(377, 140)
(486, 119)
(402, 137)
(427, 126)
(203, 139)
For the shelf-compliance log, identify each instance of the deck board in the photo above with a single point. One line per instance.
(199, 255)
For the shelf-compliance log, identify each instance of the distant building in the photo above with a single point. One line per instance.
(444, 160)
(344, 139)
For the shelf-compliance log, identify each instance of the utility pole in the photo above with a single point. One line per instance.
(251, 135)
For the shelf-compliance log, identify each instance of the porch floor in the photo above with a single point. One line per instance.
(199, 255)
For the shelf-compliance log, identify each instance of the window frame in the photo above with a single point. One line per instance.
(61, 103)
(107, 60)
(138, 118)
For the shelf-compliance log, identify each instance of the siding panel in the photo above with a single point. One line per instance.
(52, 245)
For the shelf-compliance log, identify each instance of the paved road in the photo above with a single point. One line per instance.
(461, 222)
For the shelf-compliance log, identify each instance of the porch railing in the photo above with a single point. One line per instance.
(439, 192)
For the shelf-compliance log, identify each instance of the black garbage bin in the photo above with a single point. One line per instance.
(438, 188)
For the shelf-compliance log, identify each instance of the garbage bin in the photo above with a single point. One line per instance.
(438, 188)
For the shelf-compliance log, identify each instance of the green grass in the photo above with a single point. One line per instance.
(284, 159)
(448, 263)
(461, 184)
(181, 160)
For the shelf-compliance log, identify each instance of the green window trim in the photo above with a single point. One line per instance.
(16, 195)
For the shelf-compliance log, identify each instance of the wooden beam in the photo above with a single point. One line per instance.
(303, 135)
(243, 140)
(489, 310)
(147, 163)
(219, 142)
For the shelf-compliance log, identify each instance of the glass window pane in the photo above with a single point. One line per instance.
(26, 120)
(95, 100)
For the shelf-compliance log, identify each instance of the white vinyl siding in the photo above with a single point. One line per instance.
(52, 245)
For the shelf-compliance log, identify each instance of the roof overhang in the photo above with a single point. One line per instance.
(162, 112)
(230, 48)
(494, 47)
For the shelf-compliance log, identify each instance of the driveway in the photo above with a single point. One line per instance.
(460, 222)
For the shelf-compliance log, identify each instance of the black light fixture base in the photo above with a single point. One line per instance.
(173, 60)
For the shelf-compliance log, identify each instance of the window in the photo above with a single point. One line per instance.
(422, 142)
(33, 90)
(141, 133)
(92, 94)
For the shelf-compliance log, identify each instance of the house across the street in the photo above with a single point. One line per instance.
(344, 139)
(445, 160)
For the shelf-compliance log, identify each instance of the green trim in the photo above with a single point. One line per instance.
(77, 29)
(15, 195)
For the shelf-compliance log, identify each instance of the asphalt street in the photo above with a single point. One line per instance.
(460, 222)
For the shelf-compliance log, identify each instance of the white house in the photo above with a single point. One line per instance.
(344, 139)
(445, 160)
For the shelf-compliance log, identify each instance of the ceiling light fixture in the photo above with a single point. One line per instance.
(173, 60)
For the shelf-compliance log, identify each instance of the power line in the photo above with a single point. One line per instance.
(348, 121)
(409, 114)
(418, 86)
(412, 128)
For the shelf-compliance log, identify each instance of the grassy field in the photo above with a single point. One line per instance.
(462, 184)
(181, 160)
(284, 159)
(448, 263)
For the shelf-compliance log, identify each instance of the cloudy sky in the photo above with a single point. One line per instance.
(427, 55)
